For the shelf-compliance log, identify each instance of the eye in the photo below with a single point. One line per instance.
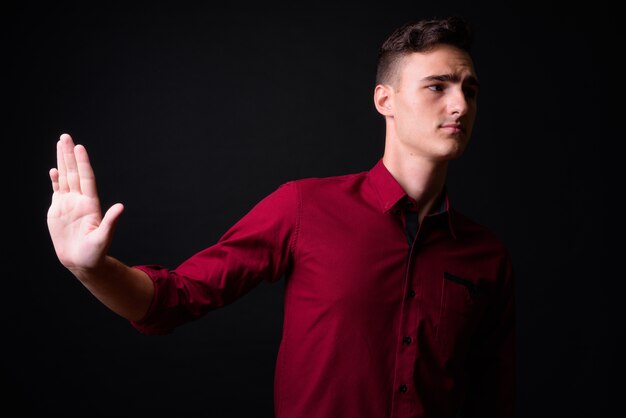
(435, 87)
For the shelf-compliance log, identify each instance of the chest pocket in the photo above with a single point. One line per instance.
(462, 305)
(460, 295)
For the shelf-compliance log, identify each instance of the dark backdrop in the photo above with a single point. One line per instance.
(191, 114)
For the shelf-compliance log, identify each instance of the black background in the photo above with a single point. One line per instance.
(193, 113)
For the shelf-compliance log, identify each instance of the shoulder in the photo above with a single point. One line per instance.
(327, 184)
(311, 189)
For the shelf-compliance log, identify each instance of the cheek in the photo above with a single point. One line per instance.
(472, 110)
(472, 119)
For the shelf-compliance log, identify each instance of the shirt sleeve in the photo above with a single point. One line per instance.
(258, 247)
(492, 361)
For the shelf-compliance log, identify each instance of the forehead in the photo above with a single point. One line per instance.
(441, 60)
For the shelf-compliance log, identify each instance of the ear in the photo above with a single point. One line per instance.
(383, 99)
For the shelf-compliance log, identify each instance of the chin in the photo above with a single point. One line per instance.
(453, 151)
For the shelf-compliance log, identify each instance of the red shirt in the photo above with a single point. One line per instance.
(373, 327)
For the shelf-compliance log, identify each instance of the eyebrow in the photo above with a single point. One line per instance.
(455, 78)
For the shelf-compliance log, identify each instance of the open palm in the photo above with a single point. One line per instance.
(81, 236)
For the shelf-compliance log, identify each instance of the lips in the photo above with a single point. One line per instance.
(453, 127)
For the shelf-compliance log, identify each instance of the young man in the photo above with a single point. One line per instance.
(396, 305)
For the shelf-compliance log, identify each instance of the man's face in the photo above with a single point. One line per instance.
(434, 103)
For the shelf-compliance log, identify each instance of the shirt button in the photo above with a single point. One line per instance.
(406, 340)
(404, 388)
(412, 294)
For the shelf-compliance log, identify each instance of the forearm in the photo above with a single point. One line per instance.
(125, 290)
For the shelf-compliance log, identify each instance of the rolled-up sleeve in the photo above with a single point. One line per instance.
(258, 247)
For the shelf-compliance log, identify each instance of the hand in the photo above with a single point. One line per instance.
(80, 235)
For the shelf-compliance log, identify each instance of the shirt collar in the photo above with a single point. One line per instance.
(386, 186)
(390, 193)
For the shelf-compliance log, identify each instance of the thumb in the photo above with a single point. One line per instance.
(111, 218)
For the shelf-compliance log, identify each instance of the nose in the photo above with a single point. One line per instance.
(457, 103)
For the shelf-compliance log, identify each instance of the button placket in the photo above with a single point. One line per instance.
(407, 350)
(406, 347)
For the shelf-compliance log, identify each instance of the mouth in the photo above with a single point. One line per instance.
(453, 128)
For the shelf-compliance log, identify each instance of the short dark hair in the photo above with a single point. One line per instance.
(421, 36)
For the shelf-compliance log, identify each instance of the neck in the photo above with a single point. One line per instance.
(421, 179)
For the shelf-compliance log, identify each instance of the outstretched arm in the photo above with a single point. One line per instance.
(82, 236)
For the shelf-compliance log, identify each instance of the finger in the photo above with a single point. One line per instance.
(54, 177)
(111, 218)
(85, 172)
(71, 167)
(62, 178)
